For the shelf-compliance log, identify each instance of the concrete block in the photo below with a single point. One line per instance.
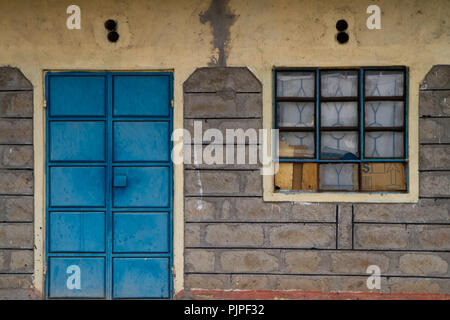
(198, 260)
(434, 103)
(434, 184)
(207, 105)
(434, 130)
(16, 208)
(16, 235)
(423, 264)
(426, 210)
(227, 235)
(16, 104)
(13, 79)
(381, 236)
(214, 79)
(16, 156)
(437, 78)
(206, 182)
(16, 131)
(434, 157)
(249, 261)
(303, 236)
(16, 182)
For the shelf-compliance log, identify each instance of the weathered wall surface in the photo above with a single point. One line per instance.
(16, 184)
(235, 240)
(185, 35)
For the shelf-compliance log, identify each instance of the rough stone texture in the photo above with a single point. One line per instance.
(229, 130)
(434, 157)
(192, 235)
(199, 260)
(416, 286)
(16, 156)
(245, 243)
(16, 261)
(435, 184)
(303, 236)
(381, 236)
(16, 182)
(322, 284)
(434, 103)
(16, 104)
(16, 281)
(423, 264)
(345, 231)
(434, 130)
(234, 235)
(302, 262)
(210, 281)
(13, 79)
(16, 208)
(222, 81)
(357, 262)
(246, 282)
(249, 261)
(433, 238)
(323, 212)
(16, 131)
(198, 183)
(16, 185)
(437, 78)
(216, 157)
(206, 105)
(426, 211)
(16, 235)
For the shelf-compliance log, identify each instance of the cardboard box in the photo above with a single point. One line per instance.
(296, 176)
(287, 150)
(384, 176)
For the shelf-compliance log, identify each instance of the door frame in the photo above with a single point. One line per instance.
(108, 253)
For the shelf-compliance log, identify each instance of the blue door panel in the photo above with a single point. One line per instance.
(140, 277)
(77, 186)
(109, 185)
(77, 95)
(141, 141)
(141, 96)
(77, 277)
(141, 232)
(77, 141)
(146, 187)
(77, 231)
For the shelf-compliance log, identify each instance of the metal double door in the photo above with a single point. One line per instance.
(108, 185)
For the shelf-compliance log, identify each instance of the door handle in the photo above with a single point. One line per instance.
(120, 181)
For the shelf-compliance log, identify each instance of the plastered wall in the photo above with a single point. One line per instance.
(184, 35)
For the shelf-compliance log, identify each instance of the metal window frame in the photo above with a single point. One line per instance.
(361, 99)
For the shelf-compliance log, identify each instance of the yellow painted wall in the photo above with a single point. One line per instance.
(168, 34)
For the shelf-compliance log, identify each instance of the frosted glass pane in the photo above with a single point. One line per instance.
(334, 114)
(384, 83)
(339, 145)
(383, 114)
(295, 84)
(296, 144)
(339, 84)
(383, 144)
(295, 114)
(338, 177)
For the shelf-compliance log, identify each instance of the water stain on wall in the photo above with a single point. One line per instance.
(221, 19)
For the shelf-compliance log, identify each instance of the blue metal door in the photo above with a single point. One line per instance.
(109, 185)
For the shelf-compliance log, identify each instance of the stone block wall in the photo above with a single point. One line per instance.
(16, 185)
(235, 240)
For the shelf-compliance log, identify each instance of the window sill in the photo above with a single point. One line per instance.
(367, 197)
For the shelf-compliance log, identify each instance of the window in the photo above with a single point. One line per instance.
(341, 130)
